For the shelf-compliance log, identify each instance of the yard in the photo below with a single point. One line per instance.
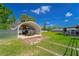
(56, 44)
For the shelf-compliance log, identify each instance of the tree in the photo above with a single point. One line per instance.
(45, 27)
(5, 17)
(56, 27)
(49, 28)
(25, 17)
(32, 19)
(4, 13)
(11, 20)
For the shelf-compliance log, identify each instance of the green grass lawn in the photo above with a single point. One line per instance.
(11, 46)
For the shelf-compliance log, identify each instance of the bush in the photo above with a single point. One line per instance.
(4, 26)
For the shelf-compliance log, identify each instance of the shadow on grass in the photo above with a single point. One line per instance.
(72, 42)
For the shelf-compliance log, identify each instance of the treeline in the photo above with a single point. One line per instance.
(49, 28)
(7, 18)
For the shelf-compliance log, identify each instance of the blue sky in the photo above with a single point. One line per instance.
(59, 14)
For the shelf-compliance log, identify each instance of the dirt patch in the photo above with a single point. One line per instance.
(32, 39)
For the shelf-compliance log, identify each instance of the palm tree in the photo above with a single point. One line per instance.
(25, 17)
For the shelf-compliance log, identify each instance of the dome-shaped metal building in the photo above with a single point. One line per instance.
(28, 29)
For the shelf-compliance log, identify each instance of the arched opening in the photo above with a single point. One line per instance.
(28, 28)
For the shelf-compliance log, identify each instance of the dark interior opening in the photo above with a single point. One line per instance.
(27, 30)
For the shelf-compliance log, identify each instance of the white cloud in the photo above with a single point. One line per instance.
(37, 11)
(42, 9)
(68, 14)
(66, 20)
(45, 9)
